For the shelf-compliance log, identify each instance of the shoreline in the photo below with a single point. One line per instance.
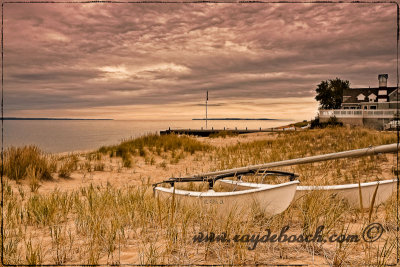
(70, 136)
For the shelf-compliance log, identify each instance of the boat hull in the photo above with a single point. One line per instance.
(350, 192)
(272, 200)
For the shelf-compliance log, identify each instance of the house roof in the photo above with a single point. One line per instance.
(350, 95)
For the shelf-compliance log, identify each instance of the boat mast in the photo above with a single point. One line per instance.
(373, 150)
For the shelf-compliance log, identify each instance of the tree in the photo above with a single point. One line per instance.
(330, 93)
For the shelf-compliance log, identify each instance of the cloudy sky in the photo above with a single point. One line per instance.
(150, 61)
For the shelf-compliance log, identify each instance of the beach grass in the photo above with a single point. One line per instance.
(114, 224)
(20, 162)
(154, 144)
(223, 134)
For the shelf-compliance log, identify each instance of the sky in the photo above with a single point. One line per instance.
(156, 61)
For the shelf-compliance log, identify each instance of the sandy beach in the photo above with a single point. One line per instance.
(102, 209)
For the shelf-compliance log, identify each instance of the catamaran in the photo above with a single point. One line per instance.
(358, 195)
(270, 200)
(274, 199)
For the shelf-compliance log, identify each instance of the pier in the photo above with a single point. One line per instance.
(208, 132)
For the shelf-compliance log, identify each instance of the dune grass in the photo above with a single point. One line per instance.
(102, 224)
(154, 144)
(223, 134)
(20, 162)
(290, 145)
(95, 225)
(67, 166)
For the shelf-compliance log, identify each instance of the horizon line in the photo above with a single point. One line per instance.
(60, 119)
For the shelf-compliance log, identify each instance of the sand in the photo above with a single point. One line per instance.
(143, 172)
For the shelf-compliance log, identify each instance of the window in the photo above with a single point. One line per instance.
(382, 92)
(372, 107)
(360, 97)
(372, 97)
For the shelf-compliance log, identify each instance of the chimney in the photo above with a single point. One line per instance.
(382, 78)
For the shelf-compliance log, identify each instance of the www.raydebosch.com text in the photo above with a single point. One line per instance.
(370, 233)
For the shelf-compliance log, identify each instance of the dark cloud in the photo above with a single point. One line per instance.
(76, 56)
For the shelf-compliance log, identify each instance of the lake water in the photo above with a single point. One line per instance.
(66, 136)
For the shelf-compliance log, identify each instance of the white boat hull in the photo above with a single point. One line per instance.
(270, 200)
(350, 192)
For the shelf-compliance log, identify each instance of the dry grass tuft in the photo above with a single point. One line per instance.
(154, 143)
(21, 161)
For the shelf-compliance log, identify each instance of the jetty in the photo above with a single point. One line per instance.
(208, 132)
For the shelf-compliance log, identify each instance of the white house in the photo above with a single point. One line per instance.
(370, 107)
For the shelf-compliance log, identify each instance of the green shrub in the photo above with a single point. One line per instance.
(301, 124)
(333, 121)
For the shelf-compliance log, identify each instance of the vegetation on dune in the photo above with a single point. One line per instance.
(301, 124)
(98, 224)
(30, 162)
(67, 166)
(290, 145)
(20, 162)
(333, 121)
(153, 143)
(223, 134)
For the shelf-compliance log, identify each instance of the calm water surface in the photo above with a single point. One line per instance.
(66, 136)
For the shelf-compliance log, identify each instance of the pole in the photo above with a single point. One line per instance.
(398, 140)
(391, 148)
(206, 108)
